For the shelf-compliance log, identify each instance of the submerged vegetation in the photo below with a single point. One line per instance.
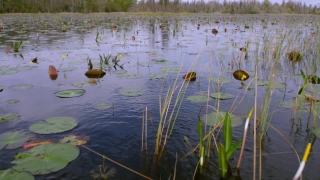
(182, 73)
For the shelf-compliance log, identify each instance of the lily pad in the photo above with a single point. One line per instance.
(82, 84)
(221, 80)
(67, 69)
(292, 104)
(198, 98)
(45, 159)
(15, 139)
(11, 174)
(54, 125)
(130, 76)
(8, 117)
(131, 92)
(163, 61)
(21, 87)
(102, 106)
(214, 118)
(8, 71)
(218, 95)
(13, 101)
(120, 71)
(171, 69)
(317, 132)
(75, 140)
(70, 93)
(156, 76)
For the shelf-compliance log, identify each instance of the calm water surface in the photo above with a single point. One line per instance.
(117, 134)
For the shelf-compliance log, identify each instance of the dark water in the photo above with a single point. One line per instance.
(117, 134)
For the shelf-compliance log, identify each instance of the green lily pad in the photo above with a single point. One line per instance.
(145, 64)
(221, 80)
(214, 118)
(198, 98)
(24, 68)
(163, 61)
(292, 104)
(13, 140)
(103, 106)
(156, 76)
(82, 84)
(21, 87)
(11, 174)
(8, 117)
(67, 69)
(54, 125)
(3, 67)
(78, 62)
(218, 95)
(314, 88)
(317, 132)
(131, 92)
(45, 159)
(130, 76)
(277, 85)
(120, 71)
(1, 88)
(8, 71)
(13, 101)
(171, 69)
(70, 93)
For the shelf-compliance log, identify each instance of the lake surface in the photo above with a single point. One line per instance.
(182, 41)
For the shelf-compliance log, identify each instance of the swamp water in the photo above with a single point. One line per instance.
(150, 47)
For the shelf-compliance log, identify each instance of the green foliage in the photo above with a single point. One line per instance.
(226, 150)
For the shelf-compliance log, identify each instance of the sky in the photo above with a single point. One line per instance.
(312, 2)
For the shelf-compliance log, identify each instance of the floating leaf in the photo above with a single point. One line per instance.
(171, 69)
(198, 98)
(103, 106)
(1, 88)
(13, 101)
(11, 174)
(67, 69)
(215, 118)
(45, 158)
(13, 140)
(131, 92)
(53, 73)
(54, 125)
(120, 71)
(82, 84)
(8, 71)
(130, 76)
(75, 140)
(156, 76)
(8, 117)
(163, 61)
(70, 93)
(218, 95)
(21, 87)
(221, 80)
(292, 104)
(317, 132)
(29, 145)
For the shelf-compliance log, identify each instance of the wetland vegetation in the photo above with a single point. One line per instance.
(159, 96)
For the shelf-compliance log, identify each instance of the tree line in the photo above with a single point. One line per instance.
(191, 6)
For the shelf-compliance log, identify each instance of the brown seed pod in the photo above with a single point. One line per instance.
(240, 75)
